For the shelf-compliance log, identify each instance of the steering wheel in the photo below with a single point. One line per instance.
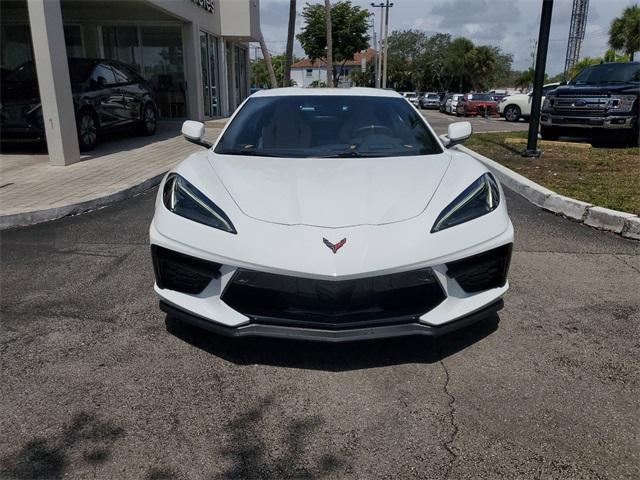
(371, 128)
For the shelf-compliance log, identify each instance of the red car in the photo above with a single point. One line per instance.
(477, 104)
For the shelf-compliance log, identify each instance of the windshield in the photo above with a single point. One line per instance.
(433, 95)
(24, 73)
(79, 70)
(328, 126)
(480, 97)
(608, 73)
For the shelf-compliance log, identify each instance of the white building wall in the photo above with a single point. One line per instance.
(299, 75)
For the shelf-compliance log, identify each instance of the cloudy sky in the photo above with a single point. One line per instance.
(509, 24)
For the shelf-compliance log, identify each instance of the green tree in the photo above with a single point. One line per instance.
(459, 60)
(349, 27)
(405, 48)
(363, 78)
(612, 56)
(582, 63)
(260, 72)
(624, 33)
(483, 67)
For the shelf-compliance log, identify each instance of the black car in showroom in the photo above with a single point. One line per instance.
(106, 94)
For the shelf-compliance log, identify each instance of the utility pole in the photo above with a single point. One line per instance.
(379, 47)
(327, 5)
(386, 44)
(576, 34)
(541, 63)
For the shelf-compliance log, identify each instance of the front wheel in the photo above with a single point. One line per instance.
(549, 133)
(149, 120)
(87, 131)
(512, 113)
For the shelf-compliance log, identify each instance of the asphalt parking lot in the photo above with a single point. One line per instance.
(96, 383)
(440, 122)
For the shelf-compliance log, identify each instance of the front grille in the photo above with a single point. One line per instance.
(180, 272)
(483, 271)
(287, 300)
(580, 113)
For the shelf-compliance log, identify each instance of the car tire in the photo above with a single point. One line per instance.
(549, 133)
(148, 120)
(87, 127)
(512, 113)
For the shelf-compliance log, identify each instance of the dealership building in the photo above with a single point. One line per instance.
(194, 53)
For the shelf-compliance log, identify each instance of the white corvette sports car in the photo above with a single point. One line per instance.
(330, 214)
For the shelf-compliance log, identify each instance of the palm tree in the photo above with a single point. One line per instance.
(289, 51)
(327, 6)
(624, 33)
(525, 79)
(267, 59)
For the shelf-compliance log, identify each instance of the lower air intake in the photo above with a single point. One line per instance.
(484, 271)
(286, 300)
(180, 272)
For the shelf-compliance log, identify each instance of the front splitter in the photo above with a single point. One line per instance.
(319, 335)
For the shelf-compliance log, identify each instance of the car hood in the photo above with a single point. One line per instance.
(602, 89)
(331, 192)
(516, 97)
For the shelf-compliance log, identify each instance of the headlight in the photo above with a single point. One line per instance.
(480, 198)
(622, 103)
(182, 198)
(546, 104)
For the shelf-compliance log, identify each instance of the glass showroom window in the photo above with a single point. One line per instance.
(162, 66)
(15, 46)
(121, 43)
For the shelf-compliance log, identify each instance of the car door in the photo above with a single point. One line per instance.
(106, 96)
(132, 92)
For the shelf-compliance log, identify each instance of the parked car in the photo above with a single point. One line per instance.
(498, 95)
(515, 107)
(411, 96)
(106, 94)
(257, 235)
(451, 103)
(601, 101)
(430, 100)
(473, 104)
(443, 102)
(416, 100)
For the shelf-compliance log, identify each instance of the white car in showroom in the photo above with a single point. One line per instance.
(333, 215)
(515, 107)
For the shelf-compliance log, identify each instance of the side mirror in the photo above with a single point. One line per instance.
(458, 132)
(194, 132)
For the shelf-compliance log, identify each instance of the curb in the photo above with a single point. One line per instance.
(39, 216)
(622, 223)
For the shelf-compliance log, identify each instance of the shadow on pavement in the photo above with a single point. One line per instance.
(50, 457)
(248, 451)
(329, 356)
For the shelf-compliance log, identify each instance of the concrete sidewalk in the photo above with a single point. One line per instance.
(32, 191)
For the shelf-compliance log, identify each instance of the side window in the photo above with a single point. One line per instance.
(122, 76)
(102, 76)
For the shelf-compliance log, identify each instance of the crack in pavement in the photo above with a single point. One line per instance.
(633, 267)
(452, 417)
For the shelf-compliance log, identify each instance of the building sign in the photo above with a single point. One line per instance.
(206, 4)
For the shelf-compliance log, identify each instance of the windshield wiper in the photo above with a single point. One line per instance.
(243, 151)
(350, 154)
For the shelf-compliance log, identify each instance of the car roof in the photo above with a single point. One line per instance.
(346, 92)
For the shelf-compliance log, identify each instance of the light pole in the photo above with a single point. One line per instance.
(386, 44)
(379, 47)
(538, 81)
